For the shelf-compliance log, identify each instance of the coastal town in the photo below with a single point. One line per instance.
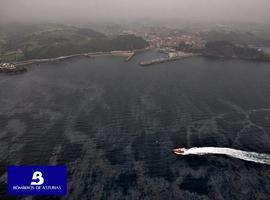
(174, 44)
(166, 38)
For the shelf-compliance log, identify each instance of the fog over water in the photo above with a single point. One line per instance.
(93, 10)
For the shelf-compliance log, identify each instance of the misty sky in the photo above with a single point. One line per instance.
(90, 10)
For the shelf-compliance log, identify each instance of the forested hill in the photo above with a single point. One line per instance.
(225, 49)
(50, 40)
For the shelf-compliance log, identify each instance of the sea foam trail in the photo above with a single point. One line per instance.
(243, 155)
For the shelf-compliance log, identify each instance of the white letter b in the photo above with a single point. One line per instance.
(37, 176)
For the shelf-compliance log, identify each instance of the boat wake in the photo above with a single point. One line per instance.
(243, 155)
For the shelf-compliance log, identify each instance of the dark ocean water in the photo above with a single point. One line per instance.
(114, 124)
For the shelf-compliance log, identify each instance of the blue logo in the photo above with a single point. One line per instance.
(37, 180)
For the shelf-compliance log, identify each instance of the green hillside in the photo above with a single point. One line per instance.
(44, 41)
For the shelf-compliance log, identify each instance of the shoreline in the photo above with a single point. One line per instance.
(127, 54)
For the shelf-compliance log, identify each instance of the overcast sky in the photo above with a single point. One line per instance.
(91, 10)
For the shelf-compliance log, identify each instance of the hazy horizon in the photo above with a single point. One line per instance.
(130, 10)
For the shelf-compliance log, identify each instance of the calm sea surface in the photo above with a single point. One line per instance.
(114, 124)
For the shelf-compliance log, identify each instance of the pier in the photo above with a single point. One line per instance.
(45, 60)
(172, 57)
(154, 61)
(130, 57)
(128, 54)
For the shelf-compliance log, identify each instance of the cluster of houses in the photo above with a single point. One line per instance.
(6, 67)
(10, 68)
